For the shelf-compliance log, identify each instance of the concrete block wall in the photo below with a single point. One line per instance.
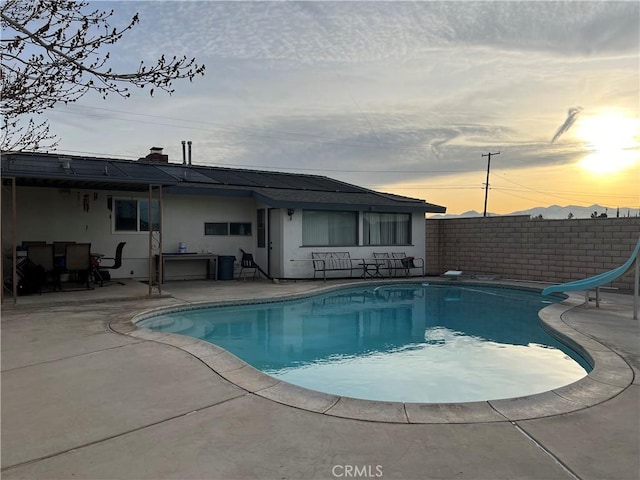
(521, 248)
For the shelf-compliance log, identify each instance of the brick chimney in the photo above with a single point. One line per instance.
(155, 156)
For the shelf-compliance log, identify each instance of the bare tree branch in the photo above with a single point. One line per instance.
(55, 52)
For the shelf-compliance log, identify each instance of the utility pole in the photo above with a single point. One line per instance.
(486, 185)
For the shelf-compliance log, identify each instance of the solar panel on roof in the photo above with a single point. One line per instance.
(95, 168)
(325, 184)
(145, 171)
(229, 177)
(276, 180)
(186, 174)
(81, 172)
(28, 164)
(267, 179)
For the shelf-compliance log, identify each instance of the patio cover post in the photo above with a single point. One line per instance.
(150, 259)
(14, 253)
(160, 262)
(151, 255)
(14, 241)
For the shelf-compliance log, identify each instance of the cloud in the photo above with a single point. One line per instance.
(402, 149)
(316, 32)
(369, 92)
(571, 118)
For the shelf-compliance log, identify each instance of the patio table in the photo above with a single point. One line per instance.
(211, 261)
(370, 269)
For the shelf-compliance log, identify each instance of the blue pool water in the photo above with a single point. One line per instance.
(409, 342)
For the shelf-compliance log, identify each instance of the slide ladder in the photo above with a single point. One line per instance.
(603, 279)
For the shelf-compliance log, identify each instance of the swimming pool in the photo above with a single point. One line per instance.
(409, 343)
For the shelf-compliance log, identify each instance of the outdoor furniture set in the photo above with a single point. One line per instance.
(381, 263)
(39, 263)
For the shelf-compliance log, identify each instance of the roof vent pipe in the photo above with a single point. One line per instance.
(189, 144)
(184, 154)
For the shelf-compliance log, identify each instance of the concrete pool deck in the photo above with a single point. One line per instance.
(84, 401)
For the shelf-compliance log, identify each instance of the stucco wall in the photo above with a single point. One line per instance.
(53, 214)
(301, 266)
(518, 247)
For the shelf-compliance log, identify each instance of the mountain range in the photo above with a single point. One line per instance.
(555, 212)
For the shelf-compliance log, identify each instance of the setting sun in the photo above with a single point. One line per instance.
(612, 140)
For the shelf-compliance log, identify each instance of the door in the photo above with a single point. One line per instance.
(275, 242)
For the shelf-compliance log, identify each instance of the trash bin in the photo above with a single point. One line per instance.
(225, 267)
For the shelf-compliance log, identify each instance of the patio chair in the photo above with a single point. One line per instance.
(383, 259)
(59, 248)
(102, 271)
(78, 261)
(40, 265)
(247, 263)
(59, 252)
(404, 263)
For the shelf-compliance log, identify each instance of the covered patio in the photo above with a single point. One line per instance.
(20, 170)
(202, 215)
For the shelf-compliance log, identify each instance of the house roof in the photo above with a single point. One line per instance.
(277, 189)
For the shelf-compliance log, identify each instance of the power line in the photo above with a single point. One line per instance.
(553, 193)
(546, 191)
(450, 186)
(546, 194)
(519, 196)
(303, 137)
(282, 167)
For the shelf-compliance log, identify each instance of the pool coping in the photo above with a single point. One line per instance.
(610, 375)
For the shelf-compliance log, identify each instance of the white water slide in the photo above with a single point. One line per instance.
(602, 279)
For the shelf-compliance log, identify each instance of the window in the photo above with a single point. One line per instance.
(262, 231)
(133, 215)
(323, 228)
(386, 228)
(243, 229)
(216, 228)
(144, 215)
(224, 228)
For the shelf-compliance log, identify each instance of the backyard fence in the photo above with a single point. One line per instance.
(521, 248)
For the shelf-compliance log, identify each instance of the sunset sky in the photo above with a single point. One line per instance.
(402, 97)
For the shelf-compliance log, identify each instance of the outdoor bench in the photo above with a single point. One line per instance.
(399, 261)
(332, 262)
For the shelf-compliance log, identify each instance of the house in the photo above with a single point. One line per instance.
(281, 218)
